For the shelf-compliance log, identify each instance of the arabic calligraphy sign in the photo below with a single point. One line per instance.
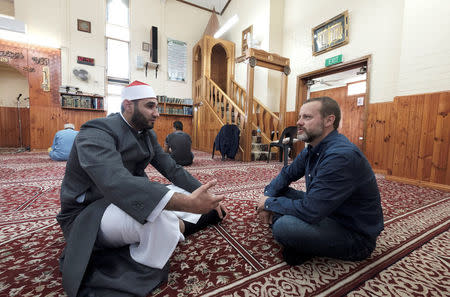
(330, 34)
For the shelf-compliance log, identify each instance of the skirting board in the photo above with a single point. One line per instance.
(420, 183)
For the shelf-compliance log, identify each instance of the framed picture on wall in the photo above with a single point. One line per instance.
(146, 46)
(330, 34)
(84, 26)
(247, 36)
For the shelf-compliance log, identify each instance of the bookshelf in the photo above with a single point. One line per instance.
(174, 106)
(82, 101)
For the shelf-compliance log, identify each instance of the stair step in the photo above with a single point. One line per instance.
(256, 139)
(260, 147)
(263, 156)
(259, 156)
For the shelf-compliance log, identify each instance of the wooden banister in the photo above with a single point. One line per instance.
(263, 118)
(227, 110)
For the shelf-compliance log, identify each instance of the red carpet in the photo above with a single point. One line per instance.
(239, 257)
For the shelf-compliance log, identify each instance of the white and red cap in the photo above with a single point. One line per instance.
(137, 90)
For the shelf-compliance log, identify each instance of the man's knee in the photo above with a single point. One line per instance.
(287, 228)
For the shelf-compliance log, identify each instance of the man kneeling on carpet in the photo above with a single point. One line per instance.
(119, 226)
(339, 215)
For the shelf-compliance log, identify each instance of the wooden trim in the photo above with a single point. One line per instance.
(380, 171)
(225, 7)
(81, 108)
(441, 187)
(204, 8)
(244, 42)
(337, 68)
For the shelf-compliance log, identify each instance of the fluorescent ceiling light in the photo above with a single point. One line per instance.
(226, 26)
(11, 24)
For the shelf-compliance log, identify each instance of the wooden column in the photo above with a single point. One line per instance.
(249, 113)
(284, 82)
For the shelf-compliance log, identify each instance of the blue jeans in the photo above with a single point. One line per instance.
(327, 238)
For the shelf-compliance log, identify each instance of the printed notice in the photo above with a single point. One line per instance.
(177, 60)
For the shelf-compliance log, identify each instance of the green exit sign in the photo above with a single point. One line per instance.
(333, 60)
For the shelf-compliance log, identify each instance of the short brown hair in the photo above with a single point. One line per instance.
(329, 106)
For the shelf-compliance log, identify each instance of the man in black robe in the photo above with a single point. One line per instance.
(119, 226)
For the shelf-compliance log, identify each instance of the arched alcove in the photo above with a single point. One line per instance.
(219, 67)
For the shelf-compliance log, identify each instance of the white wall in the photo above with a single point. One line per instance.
(44, 20)
(256, 13)
(425, 52)
(54, 23)
(374, 29)
(408, 40)
(275, 46)
(11, 85)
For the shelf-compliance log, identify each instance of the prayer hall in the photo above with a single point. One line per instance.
(100, 85)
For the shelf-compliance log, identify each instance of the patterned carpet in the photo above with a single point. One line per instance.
(239, 257)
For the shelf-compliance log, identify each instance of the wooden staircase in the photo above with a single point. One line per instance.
(214, 107)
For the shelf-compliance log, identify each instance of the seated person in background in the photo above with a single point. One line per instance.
(62, 143)
(178, 144)
(339, 215)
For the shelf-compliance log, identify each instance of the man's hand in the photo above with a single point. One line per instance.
(221, 208)
(199, 201)
(264, 215)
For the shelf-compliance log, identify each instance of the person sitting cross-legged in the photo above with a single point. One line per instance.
(339, 215)
(120, 226)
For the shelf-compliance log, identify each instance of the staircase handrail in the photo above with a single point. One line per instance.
(214, 101)
(255, 99)
(258, 121)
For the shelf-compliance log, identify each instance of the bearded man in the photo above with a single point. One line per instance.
(119, 226)
(339, 215)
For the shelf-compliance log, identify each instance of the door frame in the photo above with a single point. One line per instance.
(302, 87)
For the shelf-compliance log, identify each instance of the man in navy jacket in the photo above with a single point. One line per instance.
(339, 215)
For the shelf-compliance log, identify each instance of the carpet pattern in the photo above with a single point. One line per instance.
(239, 257)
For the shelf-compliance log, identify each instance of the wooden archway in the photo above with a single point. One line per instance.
(203, 52)
(271, 61)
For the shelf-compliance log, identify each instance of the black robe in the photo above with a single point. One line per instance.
(107, 163)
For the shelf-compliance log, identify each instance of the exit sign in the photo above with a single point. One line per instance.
(333, 60)
(85, 61)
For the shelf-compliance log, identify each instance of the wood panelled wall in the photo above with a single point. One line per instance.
(164, 126)
(352, 116)
(46, 116)
(209, 128)
(410, 137)
(9, 127)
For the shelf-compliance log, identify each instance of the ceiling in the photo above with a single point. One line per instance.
(337, 80)
(218, 5)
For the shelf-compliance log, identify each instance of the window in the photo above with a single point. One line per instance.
(356, 88)
(114, 99)
(118, 62)
(117, 51)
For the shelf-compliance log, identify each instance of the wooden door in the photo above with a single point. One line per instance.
(352, 115)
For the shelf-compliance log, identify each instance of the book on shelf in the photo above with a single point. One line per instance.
(173, 100)
(81, 101)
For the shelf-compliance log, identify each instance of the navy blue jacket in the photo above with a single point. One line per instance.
(227, 141)
(340, 184)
